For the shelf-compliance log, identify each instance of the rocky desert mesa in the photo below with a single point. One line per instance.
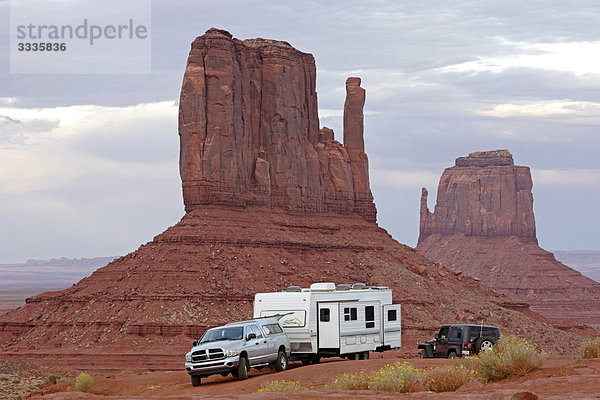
(484, 227)
(271, 200)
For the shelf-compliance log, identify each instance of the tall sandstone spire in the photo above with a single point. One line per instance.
(483, 226)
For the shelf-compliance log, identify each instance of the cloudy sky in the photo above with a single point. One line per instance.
(89, 163)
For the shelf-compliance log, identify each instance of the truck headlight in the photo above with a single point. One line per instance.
(231, 353)
(188, 358)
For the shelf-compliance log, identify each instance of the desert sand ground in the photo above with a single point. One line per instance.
(562, 377)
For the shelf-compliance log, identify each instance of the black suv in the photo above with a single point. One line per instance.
(460, 340)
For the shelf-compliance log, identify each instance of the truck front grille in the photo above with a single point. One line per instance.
(207, 354)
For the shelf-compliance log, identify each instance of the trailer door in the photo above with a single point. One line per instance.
(392, 325)
(329, 325)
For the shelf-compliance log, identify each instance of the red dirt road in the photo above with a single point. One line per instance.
(560, 378)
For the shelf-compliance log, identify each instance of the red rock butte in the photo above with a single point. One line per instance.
(249, 129)
(271, 201)
(483, 226)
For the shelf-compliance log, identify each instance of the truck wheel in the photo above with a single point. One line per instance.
(282, 361)
(242, 370)
(195, 380)
(423, 354)
(452, 354)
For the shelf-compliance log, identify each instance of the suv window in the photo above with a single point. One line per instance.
(444, 332)
(477, 331)
(456, 333)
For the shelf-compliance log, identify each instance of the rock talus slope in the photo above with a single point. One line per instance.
(270, 201)
(483, 226)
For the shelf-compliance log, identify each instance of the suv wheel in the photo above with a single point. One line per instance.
(452, 354)
(282, 361)
(483, 344)
(195, 380)
(242, 370)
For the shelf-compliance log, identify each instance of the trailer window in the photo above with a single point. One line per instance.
(370, 316)
(350, 314)
(290, 319)
(324, 315)
(392, 315)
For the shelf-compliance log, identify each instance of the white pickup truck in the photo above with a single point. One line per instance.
(236, 347)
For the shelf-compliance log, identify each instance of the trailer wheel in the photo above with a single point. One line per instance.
(306, 361)
(364, 355)
(354, 356)
(196, 380)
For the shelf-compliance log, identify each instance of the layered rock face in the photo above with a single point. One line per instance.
(249, 131)
(483, 195)
(484, 227)
(271, 201)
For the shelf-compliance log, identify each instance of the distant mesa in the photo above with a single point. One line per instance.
(483, 225)
(483, 195)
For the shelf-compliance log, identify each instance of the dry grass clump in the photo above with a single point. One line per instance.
(398, 377)
(395, 378)
(590, 348)
(358, 381)
(85, 383)
(447, 379)
(50, 380)
(281, 386)
(511, 356)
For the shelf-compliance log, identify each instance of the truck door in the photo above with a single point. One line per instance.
(329, 325)
(257, 348)
(392, 325)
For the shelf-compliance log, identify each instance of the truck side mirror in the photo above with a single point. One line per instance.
(251, 336)
(195, 343)
(436, 336)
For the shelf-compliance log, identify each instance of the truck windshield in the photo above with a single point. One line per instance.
(216, 334)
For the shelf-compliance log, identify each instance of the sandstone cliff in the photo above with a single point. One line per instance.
(484, 227)
(249, 131)
(483, 195)
(271, 201)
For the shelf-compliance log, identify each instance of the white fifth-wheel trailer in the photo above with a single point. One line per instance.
(326, 320)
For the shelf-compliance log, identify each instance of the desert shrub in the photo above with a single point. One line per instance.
(281, 386)
(590, 348)
(125, 372)
(394, 378)
(84, 383)
(358, 381)
(511, 356)
(448, 378)
(50, 380)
